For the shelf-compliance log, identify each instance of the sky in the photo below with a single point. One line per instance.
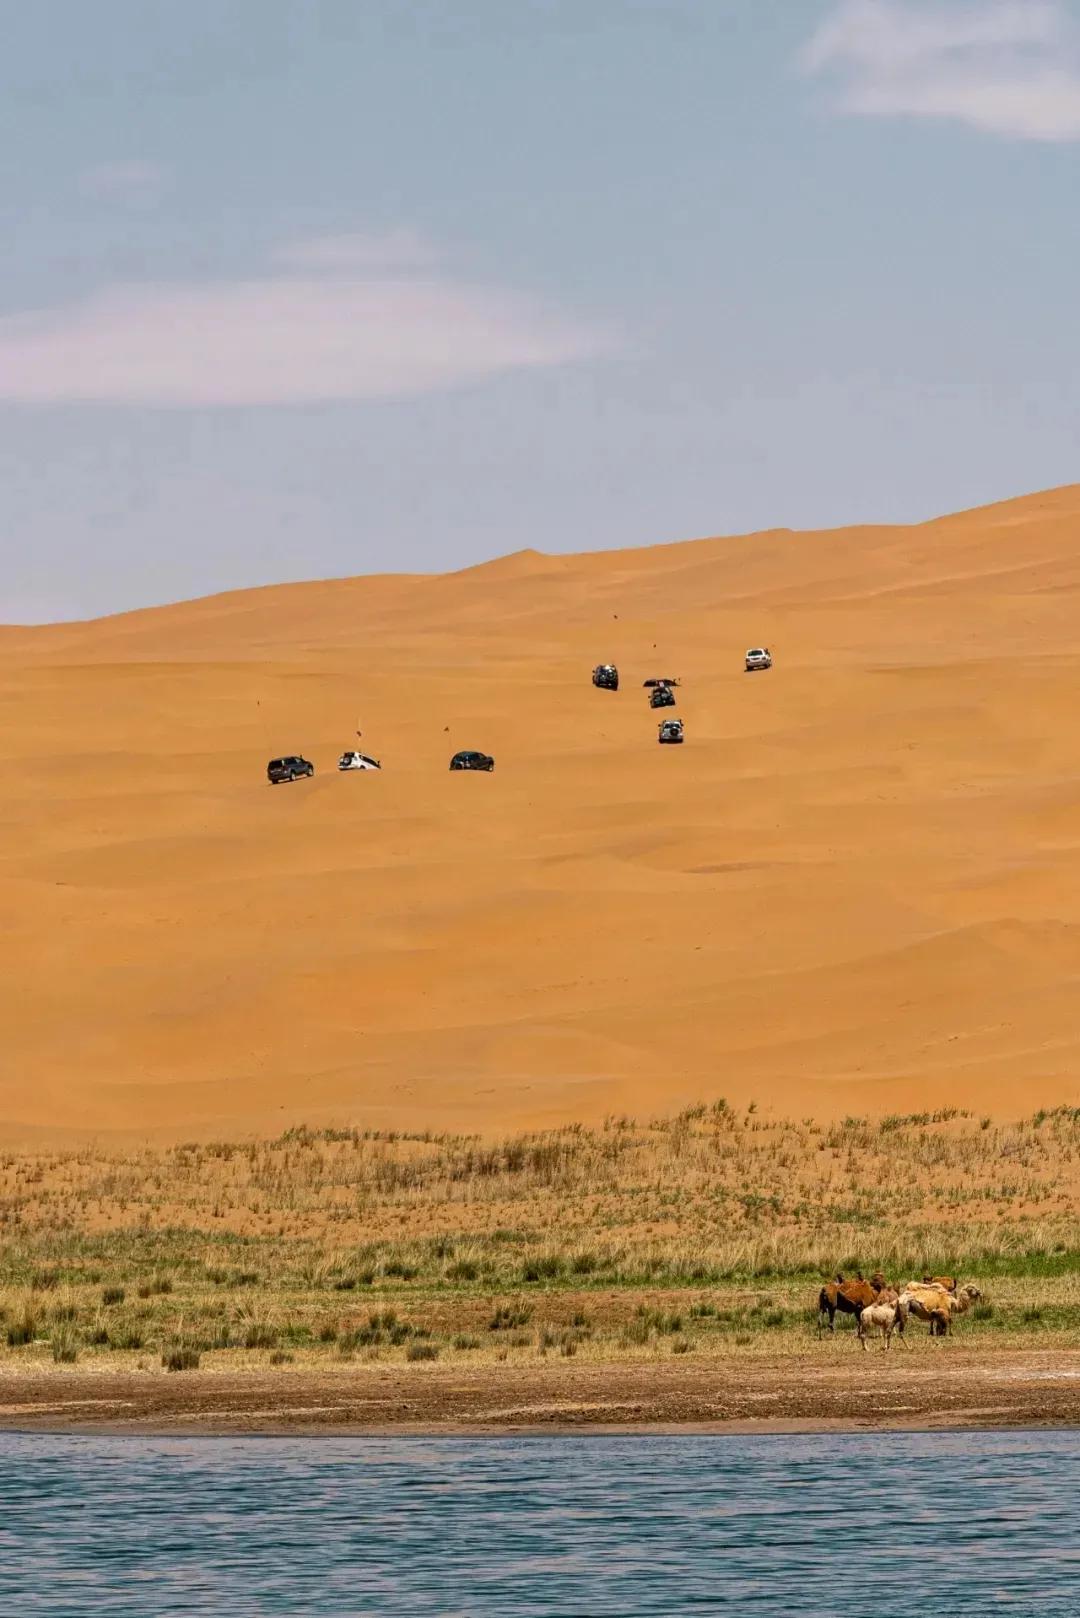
(305, 288)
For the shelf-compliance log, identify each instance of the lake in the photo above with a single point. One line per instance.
(627, 1525)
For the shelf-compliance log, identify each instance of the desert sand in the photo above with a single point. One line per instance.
(855, 889)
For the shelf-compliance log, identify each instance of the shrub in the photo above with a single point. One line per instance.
(259, 1335)
(543, 1267)
(157, 1288)
(506, 1317)
(65, 1346)
(129, 1337)
(111, 1295)
(462, 1342)
(463, 1269)
(23, 1329)
(180, 1357)
(397, 1267)
(584, 1263)
(279, 1357)
(421, 1351)
(45, 1280)
(681, 1346)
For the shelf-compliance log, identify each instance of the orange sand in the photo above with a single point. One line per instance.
(855, 888)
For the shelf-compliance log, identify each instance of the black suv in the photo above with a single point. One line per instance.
(287, 769)
(661, 696)
(606, 676)
(472, 761)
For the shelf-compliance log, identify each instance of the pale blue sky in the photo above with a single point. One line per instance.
(295, 288)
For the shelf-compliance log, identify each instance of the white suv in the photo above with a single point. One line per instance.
(758, 657)
(358, 761)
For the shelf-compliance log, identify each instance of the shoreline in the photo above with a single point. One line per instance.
(1008, 1389)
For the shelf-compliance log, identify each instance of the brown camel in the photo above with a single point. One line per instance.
(848, 1297)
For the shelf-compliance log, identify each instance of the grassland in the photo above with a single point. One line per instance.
(704, 1234)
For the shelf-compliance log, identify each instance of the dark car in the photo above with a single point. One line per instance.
(671, 730)
(658, 681)
(606, 676)
(661, 696)
(472, 761)
(287, 769)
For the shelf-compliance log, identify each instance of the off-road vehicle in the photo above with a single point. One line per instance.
(352, 760)
(468, 760)
(671, 730)
(606, 676)
(758, 657)
(661, 696)
(288, 768)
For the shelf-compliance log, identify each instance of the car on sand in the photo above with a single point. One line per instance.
(661, 696)
(289, 768)
(671, 730)
(469, 760)
(606, 676)
(758, 657)
(352, 760)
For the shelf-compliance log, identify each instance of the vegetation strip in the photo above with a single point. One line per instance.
(708, 1233)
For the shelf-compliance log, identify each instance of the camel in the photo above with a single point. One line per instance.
(884, 1316)
(936, 1304)
(848, 1297)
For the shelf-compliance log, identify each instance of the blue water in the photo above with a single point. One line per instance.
(948, 1523)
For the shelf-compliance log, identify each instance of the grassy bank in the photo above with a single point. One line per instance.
(704, 1233)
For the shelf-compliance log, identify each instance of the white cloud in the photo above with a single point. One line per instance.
(131, 179)
(1005, 67)
(279, 339)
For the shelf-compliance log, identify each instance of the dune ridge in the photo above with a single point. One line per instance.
(856, 888)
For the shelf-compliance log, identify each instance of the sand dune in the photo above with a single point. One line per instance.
(857, 887)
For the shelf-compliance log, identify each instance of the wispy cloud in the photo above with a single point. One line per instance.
(1004, 67)
(130, 179)
(282, 338)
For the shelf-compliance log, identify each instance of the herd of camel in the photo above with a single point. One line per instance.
(879, 1307)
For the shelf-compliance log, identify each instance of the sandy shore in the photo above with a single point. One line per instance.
(964, 1389)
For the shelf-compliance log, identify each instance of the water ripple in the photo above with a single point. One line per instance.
(563, 1527)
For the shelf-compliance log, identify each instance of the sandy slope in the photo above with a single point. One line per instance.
(856, 887)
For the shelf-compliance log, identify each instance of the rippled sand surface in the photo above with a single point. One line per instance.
(856, 887)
